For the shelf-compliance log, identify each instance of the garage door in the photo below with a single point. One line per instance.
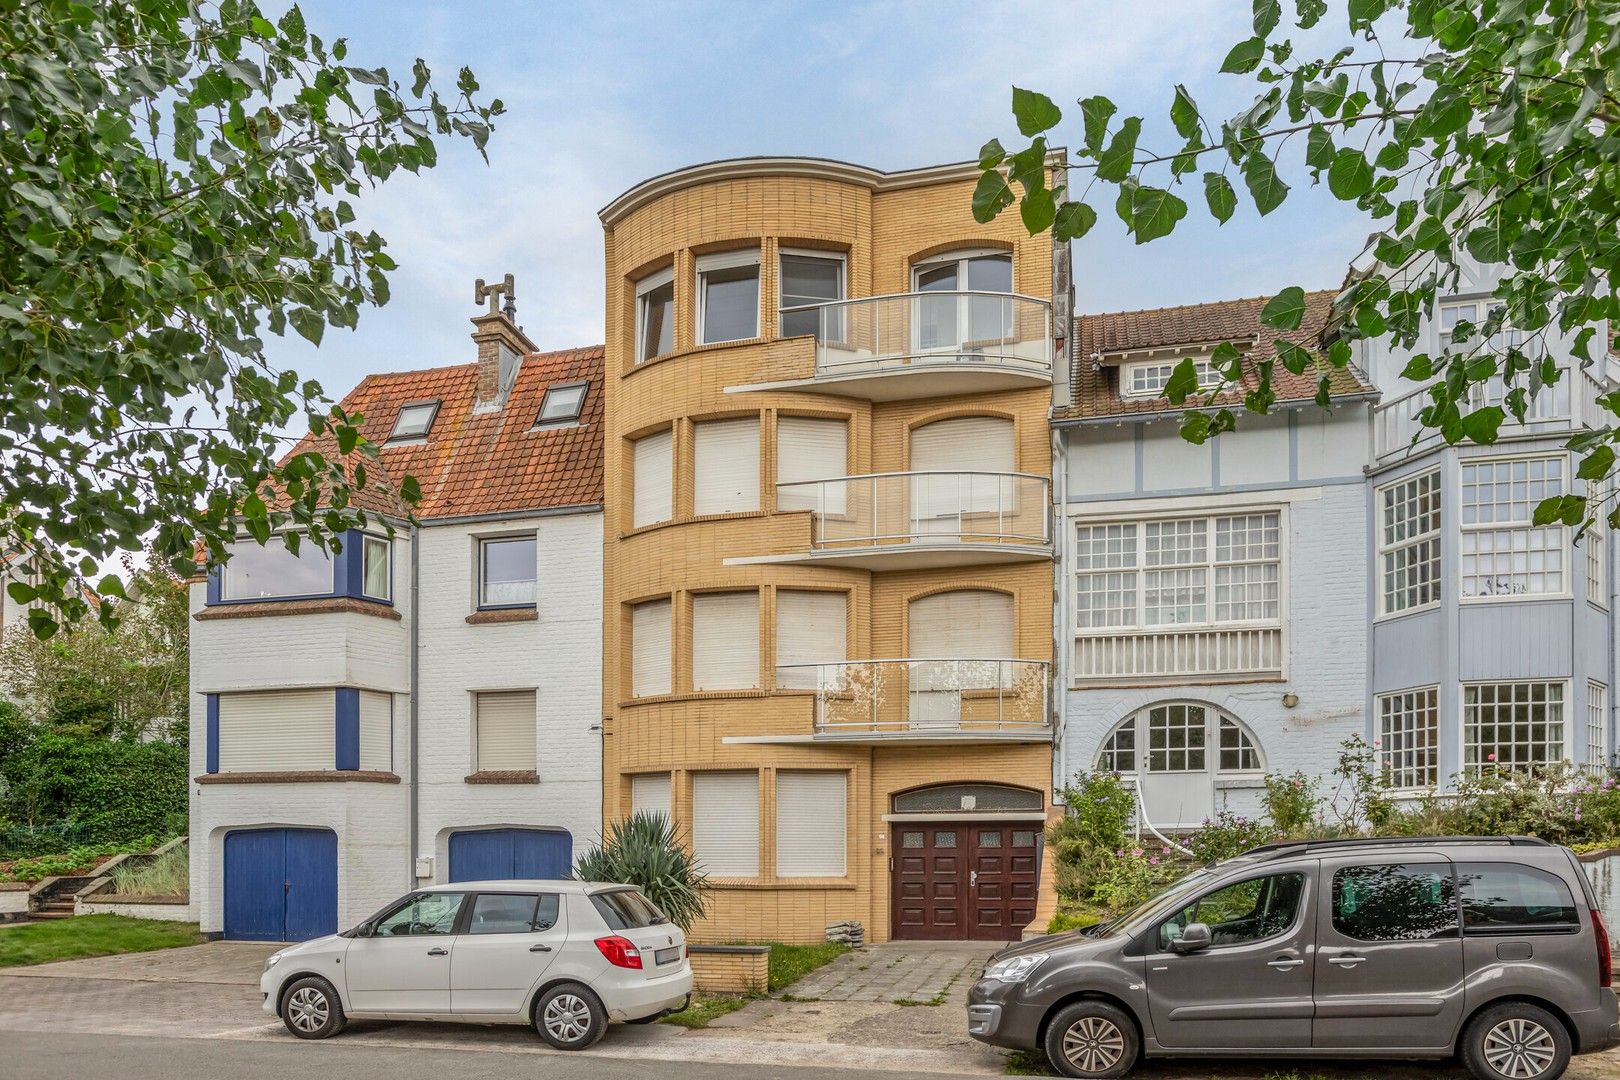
(280, 884)
(504, 854)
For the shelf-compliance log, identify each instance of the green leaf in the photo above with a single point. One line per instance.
(1115, 163)
(1265, 186)
(1564, 509)
(369, 76)
(1220, 196)
(1195, 427)
(1182, 383)
(309, 324)
(1286, 310)
(1266, 15)
(1319, 147)
(1597, 465)
(1310, 12)
(1074, 220)
(991, 197)
(1481, 425)
(991, 154)
(1244, 57)
(1293, 357)
(1034, 111)
(1184, 112)
(1350, 175)
(1096, 111)
(1038, 209)
(1151, 212)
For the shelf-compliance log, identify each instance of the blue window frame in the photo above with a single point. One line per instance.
(257, 574)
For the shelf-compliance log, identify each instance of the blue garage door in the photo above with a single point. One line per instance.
(502, 854)
(280, 884)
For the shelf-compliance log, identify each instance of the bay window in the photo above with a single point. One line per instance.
(810, 277)
(1503, 554)
(1513, 726)
(725, 466)
(271, 571)
(728, 296)
(1409, 737)
(1409, 544)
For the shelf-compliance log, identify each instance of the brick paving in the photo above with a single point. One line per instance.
(909, 972)
(235, 962)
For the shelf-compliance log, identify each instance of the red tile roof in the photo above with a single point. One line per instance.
(1094, 392)
(488, 462)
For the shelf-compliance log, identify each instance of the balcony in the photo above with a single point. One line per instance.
(911, 520)
(928, 344)
(957, 700)
(1568, 403)
(1222, 654)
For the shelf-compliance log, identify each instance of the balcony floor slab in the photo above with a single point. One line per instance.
(906, 556)
(904, 383)
(892, 738)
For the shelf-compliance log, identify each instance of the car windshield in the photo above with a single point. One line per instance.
(626, 909)
(1149, 910)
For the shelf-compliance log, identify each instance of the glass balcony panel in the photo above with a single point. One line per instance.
(939, 325)
(924, 696)
(922, 508)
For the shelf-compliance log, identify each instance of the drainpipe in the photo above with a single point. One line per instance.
(416, 622)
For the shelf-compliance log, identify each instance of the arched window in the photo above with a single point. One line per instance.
(955, 798)
(1176, 737)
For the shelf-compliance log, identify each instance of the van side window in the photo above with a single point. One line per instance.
(1502, 898)
(1394, 902)
(1240, 913)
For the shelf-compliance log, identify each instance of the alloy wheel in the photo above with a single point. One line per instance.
(1519, 1048)
(308, 1009)
(1093, 1044)
(567, 1017)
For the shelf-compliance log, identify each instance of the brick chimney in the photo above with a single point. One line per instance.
(501, 342)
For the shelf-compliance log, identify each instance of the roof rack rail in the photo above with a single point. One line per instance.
(1278, 848)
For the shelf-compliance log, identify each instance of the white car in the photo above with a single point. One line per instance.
(566, 956)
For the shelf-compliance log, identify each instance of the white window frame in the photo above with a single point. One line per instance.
(484, 603)
(568, 419)
(1566, 722)
(1384, 549)
(1208, 377)
(1562, 544)
(1597, 726)
(645, 286)
(1596, 540)
(1215, 720)
(836, 333)
(964, 318)
(725, 260)
(396, 438)
(367, 540)
(1432, 729)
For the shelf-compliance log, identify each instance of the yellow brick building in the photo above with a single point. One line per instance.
(828, 595)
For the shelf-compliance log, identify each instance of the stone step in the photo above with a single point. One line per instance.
(48, 914)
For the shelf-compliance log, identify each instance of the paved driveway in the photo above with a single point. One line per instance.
(231, 962)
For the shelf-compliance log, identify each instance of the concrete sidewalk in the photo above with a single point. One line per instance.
(237, 963)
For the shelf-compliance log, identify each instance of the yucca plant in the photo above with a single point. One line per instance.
(645, 850)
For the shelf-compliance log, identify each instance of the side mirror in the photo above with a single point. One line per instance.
(363, 930)
(1194, 938)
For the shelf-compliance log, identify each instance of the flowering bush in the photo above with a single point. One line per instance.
(1102, 807)
(1132, 876)
(1228, 834)
(1291, 802)
(1597, 808)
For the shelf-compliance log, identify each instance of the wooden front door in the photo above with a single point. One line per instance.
(963, 881)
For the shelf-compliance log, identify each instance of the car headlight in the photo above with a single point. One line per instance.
(1014, 968)
(275, 958)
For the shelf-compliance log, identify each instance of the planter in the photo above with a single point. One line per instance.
(13, 900)
(730, 969)
(167, 908)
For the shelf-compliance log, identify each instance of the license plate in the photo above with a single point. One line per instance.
(667, 956)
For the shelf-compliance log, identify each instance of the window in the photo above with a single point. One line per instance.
(506, 731)
(655, 315)
(378, 579)
(1178, 740)
(562, 405)
(1394, 902)
(1475, 312)
(1409, 737)
(725, 823)
(725, 641)
(652, 461)
(511, 913)
(507, 569)
(811, 278)
(423, 914)
(1241, 913)
(1149, 378)
(1237, 749)
(963, 445)
(728, 296)
(650, 794)
(1502, 554)
(261, 572)
(1176, 735)
(376, 731)
(650, 646)
(811, 629)
(1596, 540)
(1118, 753)
(278, 731)
(725, 466)
(414, 421)
(1180, 571)
(1597, 727)
(626, 909)
(809, 449)
(1512, 725)
(966, 316)
(1409, 544)
(810, 830)
(1505, 898)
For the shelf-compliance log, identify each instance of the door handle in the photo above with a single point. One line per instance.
(1347, 961)
(436, 951)
(1282, 963)
(973, 879)
(539, 948)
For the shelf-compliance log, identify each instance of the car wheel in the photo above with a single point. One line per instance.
(1515, 1041)
(311, 1009)
(1092, 1039)
(570, 1017)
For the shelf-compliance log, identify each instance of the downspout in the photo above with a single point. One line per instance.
(416, 622)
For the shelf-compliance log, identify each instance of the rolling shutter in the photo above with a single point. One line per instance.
(376, 731)
(971, 623)
(811, 628)
(278, 731)
(811, 449)
(650, 648)
(506, 732)
(968, 444)
(725, 465)
(725, 641)
(725, 823)
(653, 479)
(650, 794)
(810, 833)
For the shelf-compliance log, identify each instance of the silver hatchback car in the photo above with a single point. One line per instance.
(1430, 947)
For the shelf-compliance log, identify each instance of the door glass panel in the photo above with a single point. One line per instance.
(989, 317)
(1394, 902)
(429, 913)
(502, 913)
(1237, 914)
(945, 839)
(989, 837)
(1176, 738)
(1023, 838)
(936, 315)
(913, 840)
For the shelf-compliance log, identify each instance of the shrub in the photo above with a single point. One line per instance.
(1362, 796)
(1227, 834)
(1291, 802)
(1072, 920)
(1102, 807)
(645, 850)
(167, 875)
(1133, 876)
(73, 861)
(113, 789)
(1534, 803)
(1597, 808)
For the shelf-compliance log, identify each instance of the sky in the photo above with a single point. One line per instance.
(601, 96)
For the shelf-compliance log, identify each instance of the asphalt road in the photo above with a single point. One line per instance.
(51, 1056)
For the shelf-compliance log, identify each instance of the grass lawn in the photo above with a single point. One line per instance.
(90, 935)
(788, 964)
(707, 1007)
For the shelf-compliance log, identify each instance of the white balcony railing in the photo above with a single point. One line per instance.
(923, 508)
(1570, 402)
(933, 329)
(924, 697)
(1218, 652)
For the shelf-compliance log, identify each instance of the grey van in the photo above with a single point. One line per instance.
(1431, 947)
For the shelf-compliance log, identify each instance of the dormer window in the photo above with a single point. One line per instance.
(562, 405)
(1148, 378)
(414, 421)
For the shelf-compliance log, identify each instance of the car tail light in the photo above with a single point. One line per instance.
(621, 952)
(684, 951)
(1605, 957)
